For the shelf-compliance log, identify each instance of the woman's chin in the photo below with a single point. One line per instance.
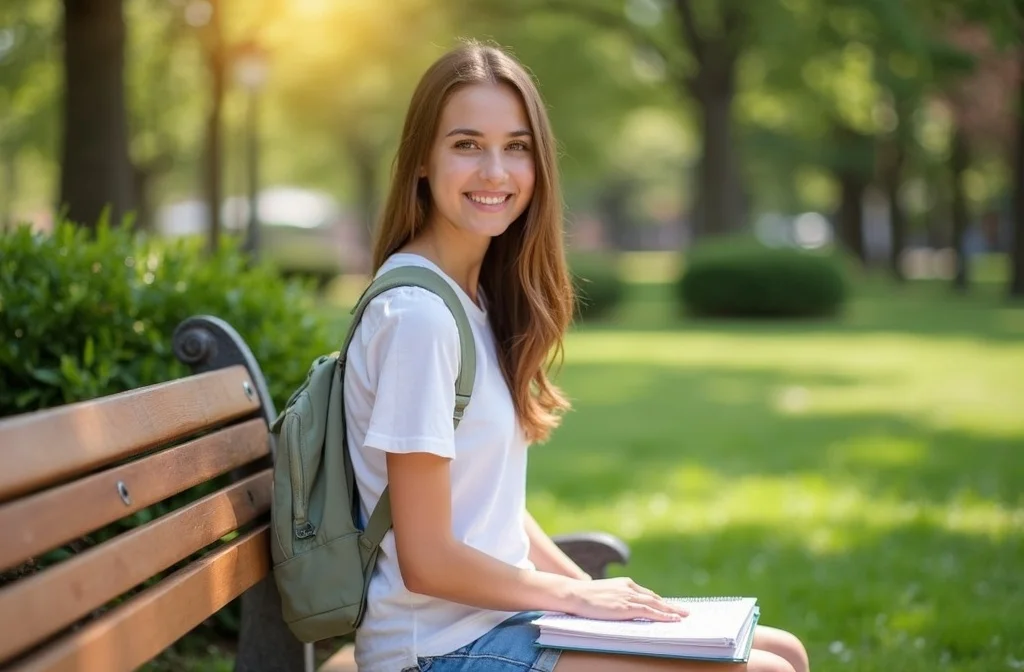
(488, 229)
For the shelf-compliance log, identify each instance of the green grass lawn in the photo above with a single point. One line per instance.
(862, 477)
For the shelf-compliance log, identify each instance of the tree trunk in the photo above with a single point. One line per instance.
(959, 160)
(613, 205)
(254, 226)
(145, 175)
(897, 218)
(96, 171)
(897, 232)
(216, 63)
(937, 218)
(851, 212)
(1017, 228)
(852, 165)
(719, 207)
(144, 211)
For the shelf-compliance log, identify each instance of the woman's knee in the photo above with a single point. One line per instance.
(767, 661)
(784, 645)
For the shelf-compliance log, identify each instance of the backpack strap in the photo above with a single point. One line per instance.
(418, 276)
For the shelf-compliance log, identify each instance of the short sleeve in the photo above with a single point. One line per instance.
(412, 347)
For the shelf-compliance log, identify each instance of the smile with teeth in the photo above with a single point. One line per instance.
(489, 200)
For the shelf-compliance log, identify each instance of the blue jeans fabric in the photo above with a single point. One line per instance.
(510, 647)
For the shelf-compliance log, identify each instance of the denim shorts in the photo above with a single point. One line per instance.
(510, 647)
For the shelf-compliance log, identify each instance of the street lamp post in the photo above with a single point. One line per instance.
(251, 74)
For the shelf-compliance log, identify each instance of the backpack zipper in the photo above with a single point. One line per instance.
(300, 523)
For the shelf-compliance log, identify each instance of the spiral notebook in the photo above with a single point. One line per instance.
(717, 629)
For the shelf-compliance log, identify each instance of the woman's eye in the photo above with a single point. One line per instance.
(465, 144)
(519, 146)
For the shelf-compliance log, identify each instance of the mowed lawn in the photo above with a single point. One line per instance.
(863, 477)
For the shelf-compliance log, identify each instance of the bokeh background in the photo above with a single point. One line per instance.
(796, 227)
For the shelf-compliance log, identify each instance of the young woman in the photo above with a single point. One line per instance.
(465, 568)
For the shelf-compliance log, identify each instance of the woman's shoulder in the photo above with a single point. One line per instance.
(410, 302)
(412, 311)
(410, 325)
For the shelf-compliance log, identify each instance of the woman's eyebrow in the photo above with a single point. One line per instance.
(477, 134)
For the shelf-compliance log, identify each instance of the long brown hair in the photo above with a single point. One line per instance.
(524, 274)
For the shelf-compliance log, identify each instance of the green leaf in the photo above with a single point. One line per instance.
(48, 376)
(89, 356)
(142, 517)
(26, 397)
(69, 368)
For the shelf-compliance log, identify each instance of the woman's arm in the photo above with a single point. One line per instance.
(433, 562)
(547, 556)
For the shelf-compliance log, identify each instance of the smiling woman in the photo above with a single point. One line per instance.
(465, 570)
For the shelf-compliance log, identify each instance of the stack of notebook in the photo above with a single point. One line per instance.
(717, 629)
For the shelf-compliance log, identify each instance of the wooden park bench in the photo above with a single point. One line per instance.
(114, 603)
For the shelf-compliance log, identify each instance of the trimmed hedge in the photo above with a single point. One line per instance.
(597, 283)
(742, 279)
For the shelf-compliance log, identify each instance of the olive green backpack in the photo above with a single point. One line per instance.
(322, 559)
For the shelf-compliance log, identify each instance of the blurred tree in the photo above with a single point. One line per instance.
(959, 160)
(849, 88)
(914, 67)
(716, 35)
(976, 85)
(221, 28)
(1004, 21)
(207, 17)
(811, 98)
(350, 77)
(96, 171)
(1015, 23)
(162, 109)
(28, 91)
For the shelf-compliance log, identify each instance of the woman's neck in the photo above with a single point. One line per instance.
(460, 256)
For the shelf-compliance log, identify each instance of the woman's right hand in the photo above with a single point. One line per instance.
(621, 599)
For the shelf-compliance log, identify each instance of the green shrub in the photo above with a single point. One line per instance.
(84, 317)
(745, 279)
(598, 285)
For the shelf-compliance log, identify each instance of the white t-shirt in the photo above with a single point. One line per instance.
(399, 397)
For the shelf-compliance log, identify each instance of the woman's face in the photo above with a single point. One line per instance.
(481, 166)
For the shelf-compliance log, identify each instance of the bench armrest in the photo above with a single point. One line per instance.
(593, 551)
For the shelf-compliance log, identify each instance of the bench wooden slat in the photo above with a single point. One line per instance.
(38, 606)
(144, 626)
(38, 449)
(67, 512)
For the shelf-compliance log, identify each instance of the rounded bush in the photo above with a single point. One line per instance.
(749, 280)
(597, 283)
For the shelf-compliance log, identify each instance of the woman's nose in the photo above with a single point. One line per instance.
(493, 168)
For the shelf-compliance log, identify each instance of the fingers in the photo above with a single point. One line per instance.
(640, 589)
(653, 613)
(665, 610)
(660, 601)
